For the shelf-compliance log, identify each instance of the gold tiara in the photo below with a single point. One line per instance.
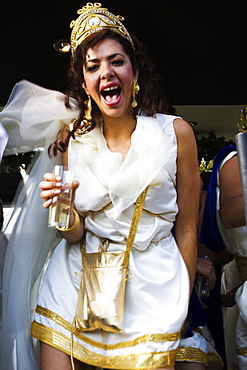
(92, 19)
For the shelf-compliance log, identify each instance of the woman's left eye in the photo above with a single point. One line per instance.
(118, 62)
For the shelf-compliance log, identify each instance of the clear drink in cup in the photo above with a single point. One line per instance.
(59, 210)
(202, 284)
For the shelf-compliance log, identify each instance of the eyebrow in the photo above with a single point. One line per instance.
(110, 57)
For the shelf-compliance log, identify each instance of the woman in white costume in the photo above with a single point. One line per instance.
(123, 149)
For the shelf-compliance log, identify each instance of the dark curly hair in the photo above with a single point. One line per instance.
(149, 99)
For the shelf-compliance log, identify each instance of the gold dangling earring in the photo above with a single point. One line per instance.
(87, 123)
(135, 91)
(88, 109)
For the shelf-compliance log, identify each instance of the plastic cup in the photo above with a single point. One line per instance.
(59, 210)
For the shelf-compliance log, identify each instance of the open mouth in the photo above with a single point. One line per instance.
(111, 94)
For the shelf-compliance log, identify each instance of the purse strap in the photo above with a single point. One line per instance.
(133, 227)
(134, 224)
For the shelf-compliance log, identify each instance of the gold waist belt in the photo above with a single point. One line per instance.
(241, 263)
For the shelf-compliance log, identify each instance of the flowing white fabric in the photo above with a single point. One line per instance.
(33, 116)
(3, 140)
(31, 240)
(26, 254)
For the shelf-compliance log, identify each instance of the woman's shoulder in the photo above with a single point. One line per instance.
(165, 119)
(169, 120)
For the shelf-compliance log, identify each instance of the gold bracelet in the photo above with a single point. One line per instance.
(75, 224)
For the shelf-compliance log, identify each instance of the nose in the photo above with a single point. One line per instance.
(106, 71)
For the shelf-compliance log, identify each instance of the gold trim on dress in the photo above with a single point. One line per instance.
(156, 215)
(138, 361)
(241, 352)
(191, 354)
(166, 337)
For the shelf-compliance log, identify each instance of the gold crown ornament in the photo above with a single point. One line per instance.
(92, 19)
(242, 124)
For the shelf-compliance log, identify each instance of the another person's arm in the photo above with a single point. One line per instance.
(231, 202)
(188, 193)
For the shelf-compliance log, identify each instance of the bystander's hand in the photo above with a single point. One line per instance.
(205, 267)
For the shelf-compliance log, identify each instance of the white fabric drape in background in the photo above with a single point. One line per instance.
(3, 140)
(31, 240)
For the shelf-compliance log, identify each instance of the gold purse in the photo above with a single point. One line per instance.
(103, 281)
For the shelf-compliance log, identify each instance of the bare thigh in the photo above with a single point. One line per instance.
(53, 359)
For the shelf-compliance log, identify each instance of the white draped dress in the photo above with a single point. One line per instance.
(157, 293)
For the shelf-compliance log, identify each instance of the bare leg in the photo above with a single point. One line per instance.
(189, 366)
(53, 359)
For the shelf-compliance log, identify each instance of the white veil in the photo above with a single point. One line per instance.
(32, 118)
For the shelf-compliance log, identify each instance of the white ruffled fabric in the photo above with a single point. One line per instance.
(104, 177)
(151, 150)
(33, 116)
(109, 188)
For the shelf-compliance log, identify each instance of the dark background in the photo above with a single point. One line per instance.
(199, 46)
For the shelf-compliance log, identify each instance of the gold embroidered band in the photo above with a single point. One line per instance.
(166, 337)
(134, 361)
(190, 354)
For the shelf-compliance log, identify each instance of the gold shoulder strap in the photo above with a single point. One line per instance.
(134, 224)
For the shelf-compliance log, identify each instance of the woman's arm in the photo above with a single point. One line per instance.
(188, 194)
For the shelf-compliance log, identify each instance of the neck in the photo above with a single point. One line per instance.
(118, 128)
(117, 133)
